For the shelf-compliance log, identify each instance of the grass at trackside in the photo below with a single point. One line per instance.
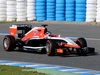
(11, 70)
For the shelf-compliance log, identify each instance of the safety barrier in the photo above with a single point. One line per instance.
(80, 11)
(91, 10)
(21, 10)
(50, 10)
(2, 10)
(30, 10)
(60, 10)
(98, 11)
(70, 10)
(40, 10)
(11, 10)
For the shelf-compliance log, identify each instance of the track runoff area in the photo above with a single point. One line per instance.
(50, 68)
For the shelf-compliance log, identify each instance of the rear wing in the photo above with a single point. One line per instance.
(23, 27)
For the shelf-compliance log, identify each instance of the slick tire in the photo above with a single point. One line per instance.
(50, 47)
(83, 44)
(9, 43)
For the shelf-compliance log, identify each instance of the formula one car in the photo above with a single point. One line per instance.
(40, 39)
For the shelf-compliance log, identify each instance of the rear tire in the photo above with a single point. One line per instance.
(9, 43)
(50, 48)
(83, 44)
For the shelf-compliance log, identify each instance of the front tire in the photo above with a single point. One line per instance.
(9, 43)
(50, 47)
(83, 44)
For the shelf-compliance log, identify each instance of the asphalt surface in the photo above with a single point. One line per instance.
(90, 32)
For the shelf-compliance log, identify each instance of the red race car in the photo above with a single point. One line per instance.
(39, 39)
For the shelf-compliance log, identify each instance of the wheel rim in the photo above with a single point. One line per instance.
(6, 43)
(78, 42)
(47, 47)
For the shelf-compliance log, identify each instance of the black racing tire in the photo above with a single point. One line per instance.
(83, 44)
(50, 47)
(9, 43)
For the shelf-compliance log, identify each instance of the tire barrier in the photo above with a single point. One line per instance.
(91, 1)
(90, 10)
(2, 10)
(21, 10)
(11, 10)
(70, 10)
(60, 10)
(98, 11)
(50, 10)
(31, 10)
(40, 10)
(50, 1)
(80, 11)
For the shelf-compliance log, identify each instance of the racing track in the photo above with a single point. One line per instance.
(91, 33)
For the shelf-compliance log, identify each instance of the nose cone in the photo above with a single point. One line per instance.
(72, 45)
